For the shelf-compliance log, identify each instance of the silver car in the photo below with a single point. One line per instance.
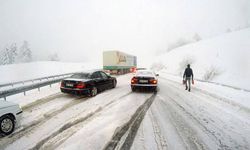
(144, 79)
(10, 116)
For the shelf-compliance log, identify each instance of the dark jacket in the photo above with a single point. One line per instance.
(188, 73)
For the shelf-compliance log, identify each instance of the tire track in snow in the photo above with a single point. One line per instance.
(160, 140)
(31, 126)
(143, 138)
(42, 111)
(185, 131)
(26, 129)
(213, 95)
(74, 125)
(42, 101)
(36, 127)
(130, 128)
(219, 128)
(66, 125)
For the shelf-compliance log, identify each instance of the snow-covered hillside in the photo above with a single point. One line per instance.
(223, 59)
(26, 71)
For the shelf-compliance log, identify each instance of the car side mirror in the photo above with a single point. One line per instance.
(157, 75)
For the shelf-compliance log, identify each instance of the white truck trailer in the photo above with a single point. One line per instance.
(117, 62)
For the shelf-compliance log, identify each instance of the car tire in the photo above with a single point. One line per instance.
(155, 90)
(93, 92)
(133, 88)
(114, 84)
(7, 125)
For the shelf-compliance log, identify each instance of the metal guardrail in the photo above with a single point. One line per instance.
(23, 89)
(33, 80)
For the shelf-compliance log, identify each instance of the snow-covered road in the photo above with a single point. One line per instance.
(120, 119)
(64, 121)
(181, 120)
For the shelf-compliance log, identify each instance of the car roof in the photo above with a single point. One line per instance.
(88, 71)
(141, 73)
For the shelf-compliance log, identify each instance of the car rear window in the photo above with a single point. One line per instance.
(144, 73)
(81, 76)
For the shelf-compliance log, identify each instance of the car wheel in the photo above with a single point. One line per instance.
(93, 92)
(133, 88)
(114, 84)
(155, 89)
(7, 125)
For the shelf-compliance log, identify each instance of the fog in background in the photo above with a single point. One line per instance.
(79, 30)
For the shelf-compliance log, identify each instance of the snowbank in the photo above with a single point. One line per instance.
(224, 59)
(26, 71)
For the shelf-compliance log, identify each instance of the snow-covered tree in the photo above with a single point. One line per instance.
(178, 43)
(228, 30)
(53, 57)
(2, 57)
(157, 66)
(8, 55)
(197, 37)
(25, 54)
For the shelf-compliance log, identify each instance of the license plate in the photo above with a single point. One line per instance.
(69, 84)
(143, 81)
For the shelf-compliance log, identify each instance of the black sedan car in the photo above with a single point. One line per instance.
(144, 79)
(88, 83)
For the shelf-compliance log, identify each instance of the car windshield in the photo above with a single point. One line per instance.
(147, 73)
(81, 76)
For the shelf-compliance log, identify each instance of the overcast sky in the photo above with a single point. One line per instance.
(79, 30)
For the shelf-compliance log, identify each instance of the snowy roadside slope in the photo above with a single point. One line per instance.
(26, 71)
(227, 56)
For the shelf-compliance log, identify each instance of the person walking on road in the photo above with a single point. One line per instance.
(187, 76)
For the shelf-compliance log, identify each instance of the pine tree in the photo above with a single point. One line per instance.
(25, 54)
(53, 57)
(197, 37)
(8, 55)
(3, 57)
(12, 54)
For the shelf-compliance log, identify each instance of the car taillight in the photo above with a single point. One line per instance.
(153, 81)
(80, 85)
(134, 80)
(62, 84)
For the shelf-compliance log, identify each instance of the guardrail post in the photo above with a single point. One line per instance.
(5, 98)
(24, 93)
(39, 89)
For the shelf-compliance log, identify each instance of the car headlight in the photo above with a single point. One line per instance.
(20, 107)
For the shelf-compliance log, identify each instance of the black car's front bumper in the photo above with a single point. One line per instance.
(75, 91)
